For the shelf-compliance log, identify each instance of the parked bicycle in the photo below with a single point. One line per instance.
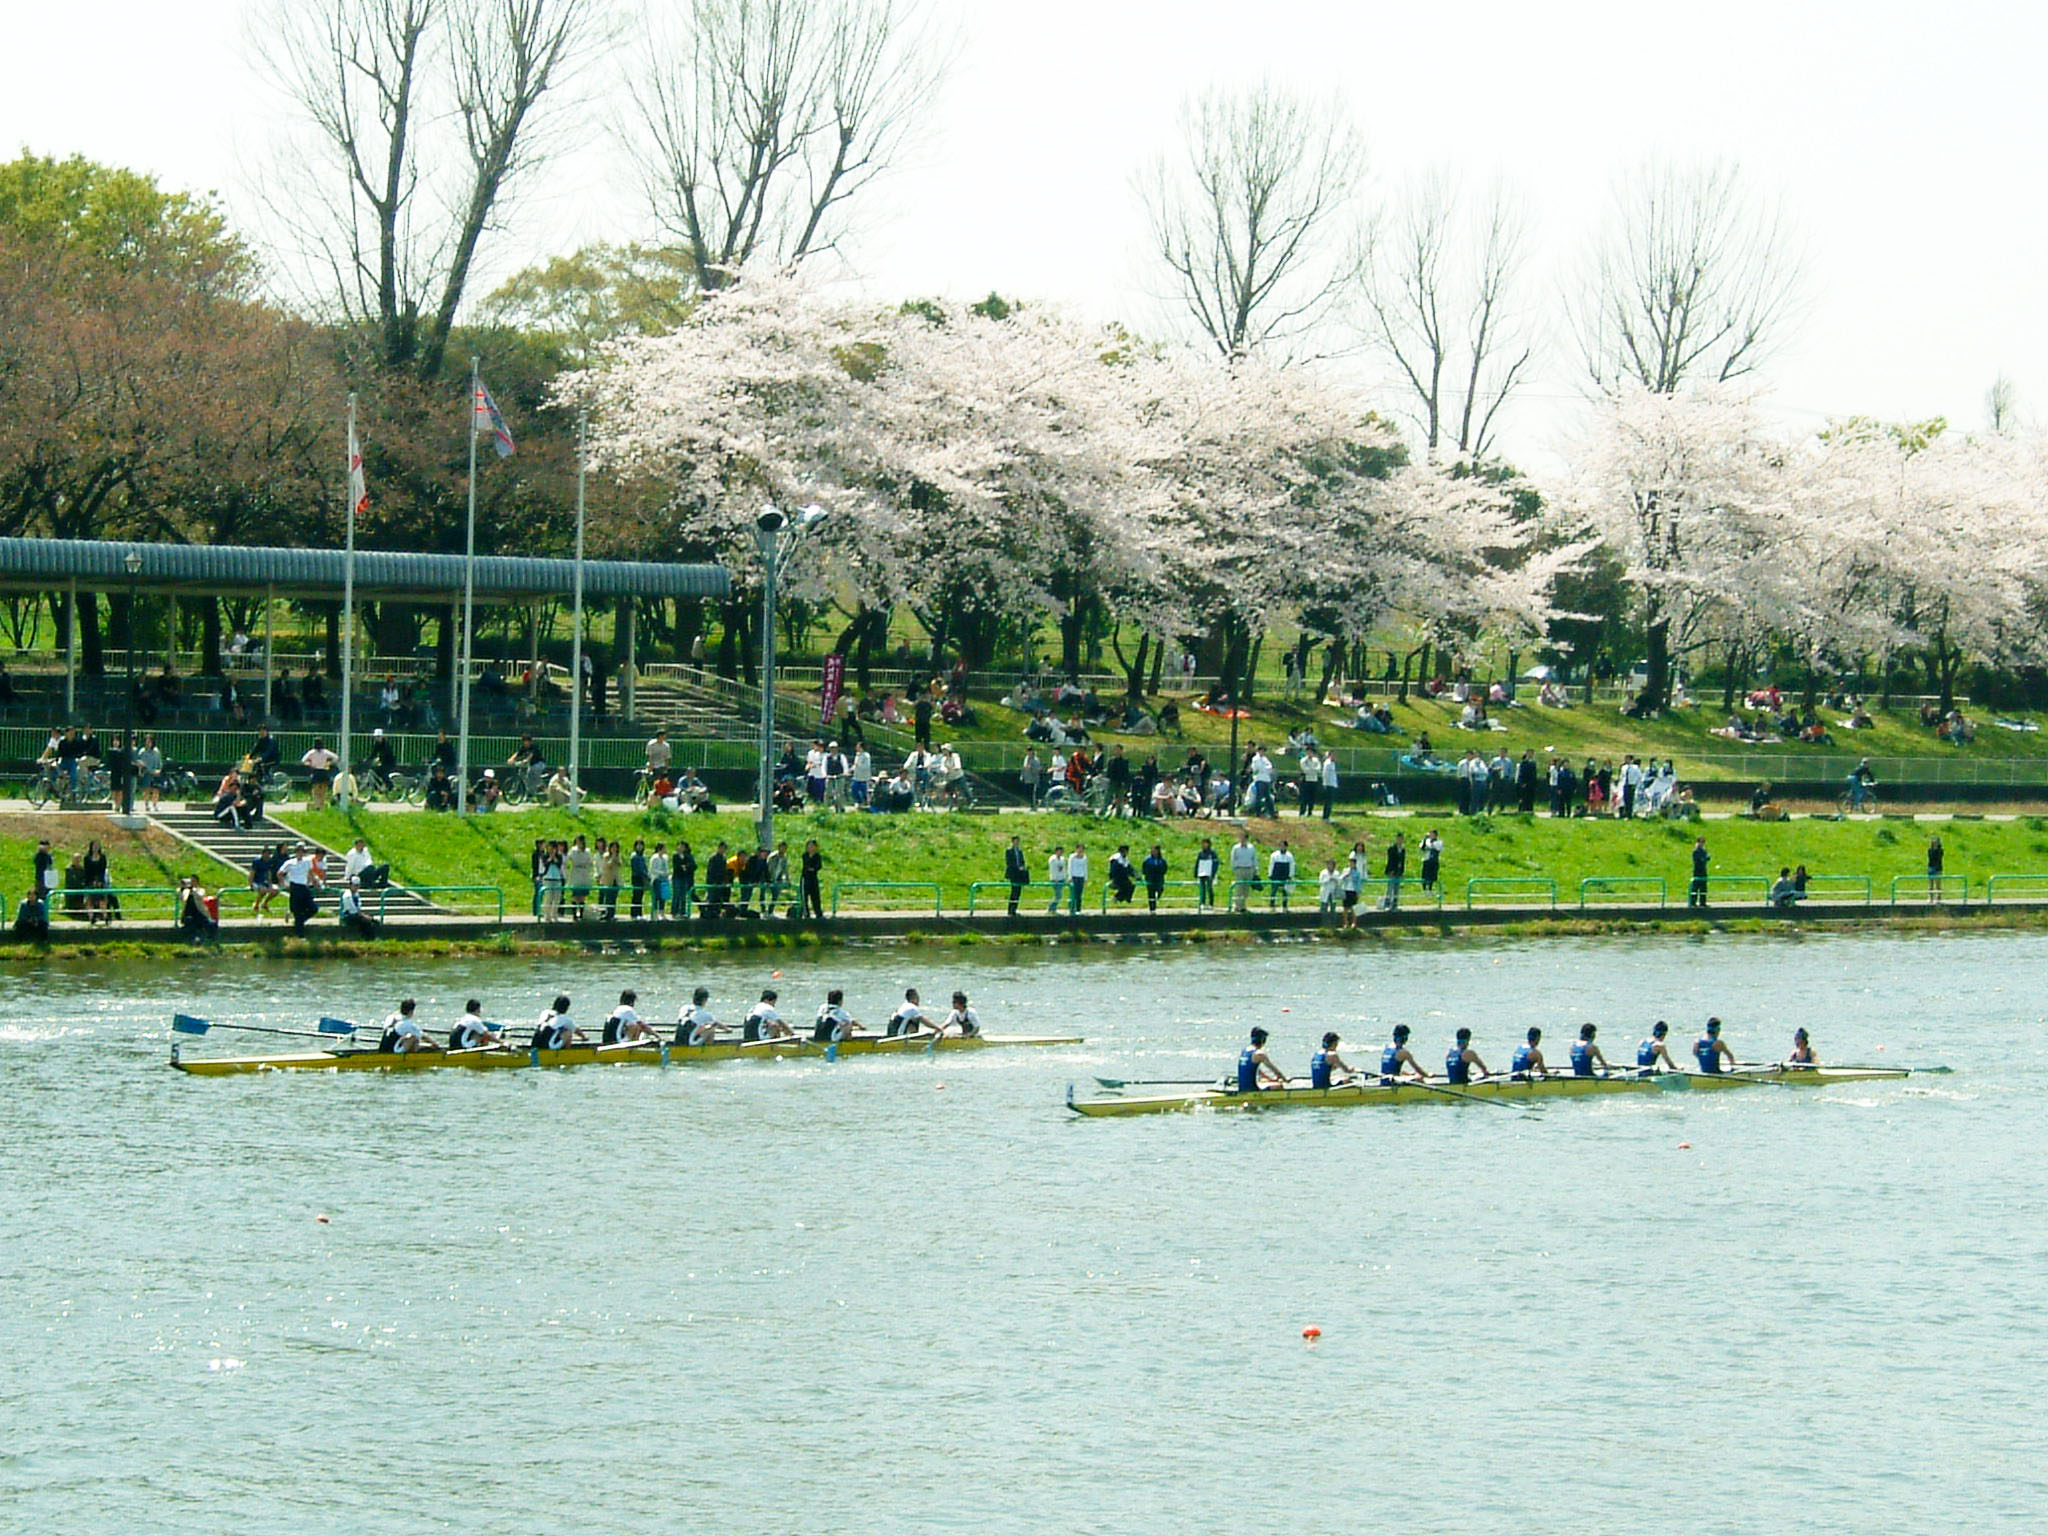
(52, 782)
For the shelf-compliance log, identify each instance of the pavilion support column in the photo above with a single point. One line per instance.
(71, 652)
(533, 651)
(269, 646)
(171, 632)
(631, 617)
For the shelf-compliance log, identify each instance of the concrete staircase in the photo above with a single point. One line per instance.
(237, 848)
(686, 710)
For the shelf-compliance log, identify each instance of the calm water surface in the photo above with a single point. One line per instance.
(917, 1296)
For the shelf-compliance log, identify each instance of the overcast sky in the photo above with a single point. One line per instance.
(1907, 142)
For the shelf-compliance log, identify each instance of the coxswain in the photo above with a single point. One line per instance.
(623, 1026)
(554, 1030)
(763, 1022)
(471, 1032)
(1710, 1050)
(1255, 1069)
(695, 1025)
(962, 1020)
(834, 1023)
(1326, 1069)
(1397, 1058)
(910, 1017)
(1463, 1062)
(1656, 1049)
(402, 1032)
(1528, 1059)
(1802, 1051)
(1586, 1055)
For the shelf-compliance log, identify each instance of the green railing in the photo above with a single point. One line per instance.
(923, 887)
(1623, 887)
(1517, 885)
(490, 896)
(173, 899)
(1758, 886)
(1850, 886)
(2035, 887)
(1931, 888)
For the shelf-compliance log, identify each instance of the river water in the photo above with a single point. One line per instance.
(918, 1296)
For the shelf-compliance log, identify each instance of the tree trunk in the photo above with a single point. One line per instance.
(732, 618)
(1333, 654)
(209, 638)
(444, 645)
(92, 655)
(1158, 664)
(689, 625)
(1071, 623)
(1657, 689)
(332, 618)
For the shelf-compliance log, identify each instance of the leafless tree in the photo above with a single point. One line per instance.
(1248, 216)
(1438, 283)
(760, 122)
(1693, 278)
(2002, 405)
(424, 115)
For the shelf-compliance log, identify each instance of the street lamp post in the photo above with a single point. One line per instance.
(133, 561)
(775, 537)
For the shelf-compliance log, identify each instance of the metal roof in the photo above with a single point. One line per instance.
(220, 569)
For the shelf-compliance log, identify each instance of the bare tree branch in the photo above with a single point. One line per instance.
(766, 117)
(1244, 220)
(1693, 280)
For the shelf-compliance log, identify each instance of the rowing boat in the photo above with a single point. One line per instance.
(353, 1059)
(1439, 1092)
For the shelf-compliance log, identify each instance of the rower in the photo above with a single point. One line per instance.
(695, 1025)
(1463, 1061)
(1656, 1049)
(623, 1026)
(402, 1032)
(471, 1032)
(1802, 1051)
(763, 1022)
(554, 1030)
(910, 1017)
(1586, 1055)
(1326, 1069)
(963, 1020)
(1528, 1059)
(1396, 1057)
(1710, 1050)
(834, 1023)
(1255, 1069)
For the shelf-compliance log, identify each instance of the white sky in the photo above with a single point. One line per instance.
(1907, 141)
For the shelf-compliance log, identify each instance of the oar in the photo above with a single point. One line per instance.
(186, 1024)
(1457, 1093)
(1115, 1084)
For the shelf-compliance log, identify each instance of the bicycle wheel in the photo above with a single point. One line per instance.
(277, 787)
(38, 792)
(514, 790)
(408, 790)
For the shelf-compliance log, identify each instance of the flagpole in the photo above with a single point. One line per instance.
(468, 608)
(348, 610)
(576, 641)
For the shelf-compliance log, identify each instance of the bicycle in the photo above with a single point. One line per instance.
(1849, 803)
(524, 784)
(91, 786)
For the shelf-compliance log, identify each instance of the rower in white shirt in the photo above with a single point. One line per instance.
(834, 1023)
(963, 1020)
(910, 1017)
(623, 1026)
(471, 1032)
(695, 1025)
(402, 1033)
(763, 1022)
(554, 1030)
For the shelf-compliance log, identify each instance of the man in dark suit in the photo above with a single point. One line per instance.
(1016, 871)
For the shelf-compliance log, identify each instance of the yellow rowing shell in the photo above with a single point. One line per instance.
(1492, 1088)
(350, 1060)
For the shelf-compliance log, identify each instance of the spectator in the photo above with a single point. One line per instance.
(1432, 859)
(1207, 866)
(1329, 888)
(660, 881)
(198, 917)
(1056, 877)
(1016, 872)
(640, 872)
(1329, 785)
(609, 876)
(100, 908)
(1244, 871)
(1123, 882)
(684, 877)
(717, 883)
(301, 876)
(1353, 882)
(1783, 892)
(1934, 863)
(32, 919)
(1280, 876)
(352, 918)
(579, 872)
(811, 872)
(1396, 868)
(1077, 878)
(1696, 892)
(227, 797)
(319, 763)
(1311, 782)
(1154, 871)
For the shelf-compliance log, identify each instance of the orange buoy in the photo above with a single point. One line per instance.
(1311, 1333)
(775, 975)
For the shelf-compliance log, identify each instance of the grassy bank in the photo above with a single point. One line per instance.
(952, 851)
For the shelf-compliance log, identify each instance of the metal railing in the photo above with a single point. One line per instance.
(1932, 888)
(1850, 886)
(1758, 886)
(920, 886)
(1515, 885)
(2035, 887)
(1623, 887)
(489, 896)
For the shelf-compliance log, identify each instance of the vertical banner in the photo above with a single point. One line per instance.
(828, 694)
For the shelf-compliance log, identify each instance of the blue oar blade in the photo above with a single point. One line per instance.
(336, 1027)
(186, 1024)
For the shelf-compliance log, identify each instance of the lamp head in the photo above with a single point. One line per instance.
(772, 520)
(812, 516)
(133, 560)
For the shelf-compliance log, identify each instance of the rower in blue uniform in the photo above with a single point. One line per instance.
(1655, 1049)
(1528, 1059)
(1255, 1069)
(1397, 1058)
(1802, 1051)
(1326, 1069)
(1586, 1055)
(1463, 1061)
(1710, 1050)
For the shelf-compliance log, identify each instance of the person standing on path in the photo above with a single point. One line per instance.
(1032, 777)
(1017, 871)
(1207, 865)
(1279, 876)
(1432, 859)
(1397, 866)
(1934, 863)
(1077, 878)
(1154, 871)
(1311, 780)
(1696, 893)
(1244, 871)
(1329, 781)
(811, 873)
(640, 873)
(1056, 877)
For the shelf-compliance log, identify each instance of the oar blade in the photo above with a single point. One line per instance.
(186, 1024)
(1112, 1084)
(336, 1027)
